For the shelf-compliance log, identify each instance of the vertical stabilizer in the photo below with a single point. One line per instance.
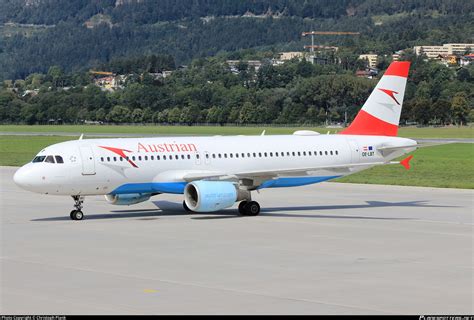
(380, 114)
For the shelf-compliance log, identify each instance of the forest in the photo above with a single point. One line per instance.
(80, 34)
(209, 91)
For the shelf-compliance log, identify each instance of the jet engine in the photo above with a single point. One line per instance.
(127, 199)
(208, 196)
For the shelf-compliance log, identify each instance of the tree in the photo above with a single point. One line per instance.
(137, 115)
(460, 108)
(119, 114)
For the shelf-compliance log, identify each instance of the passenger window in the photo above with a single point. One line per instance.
(337, 152)
(331, 152)
(243, 155)
(139, 158)
(213, 155)
(152, 158)
(293, 153)
(59, 159)
(288, 153)
(164, 157)
(189, 156)
(325, 152)
(276, 154)
(49, 159)
(309, 153)
(304, 153)
(157, 157)
(299, 153)
(39, 159)
(182, 156)
(176, 157)
(121, 158)
(271, 154)
(102, 159)
(220, 156)
(197, 156)
(248, 155)
(231, 155)
(146, 157)
(108, 159)
(225, 155)
(236, 155)
(254, 155)
(265, 154)
(320, 153)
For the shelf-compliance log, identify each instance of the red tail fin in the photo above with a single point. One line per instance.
(380, 114)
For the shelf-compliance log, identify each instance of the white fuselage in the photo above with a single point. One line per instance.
(161, 164)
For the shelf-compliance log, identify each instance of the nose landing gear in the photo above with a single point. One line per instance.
(77, 213)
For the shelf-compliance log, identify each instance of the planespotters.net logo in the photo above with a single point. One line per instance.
(458, 317)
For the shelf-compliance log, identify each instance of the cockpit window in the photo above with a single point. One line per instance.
(59, 159)
(49, 159)
(39, 159)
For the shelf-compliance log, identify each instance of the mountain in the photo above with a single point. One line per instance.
(79, 34)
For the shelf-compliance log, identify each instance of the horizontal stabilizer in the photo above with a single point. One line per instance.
(406, 162)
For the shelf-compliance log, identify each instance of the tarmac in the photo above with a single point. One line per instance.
(328, 248)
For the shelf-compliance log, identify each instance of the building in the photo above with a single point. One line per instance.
(290, 55)
(371, 58)
(432, 52)
(256, 64)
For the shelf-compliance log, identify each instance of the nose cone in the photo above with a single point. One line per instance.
(21, 178)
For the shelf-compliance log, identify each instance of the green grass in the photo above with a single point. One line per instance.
(450, 165)
(445, 132)
(18, 150)
(443, 166)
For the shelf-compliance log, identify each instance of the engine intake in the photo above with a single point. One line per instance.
(127, 199)
(208, 196)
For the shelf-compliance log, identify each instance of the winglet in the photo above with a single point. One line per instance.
(406, 162)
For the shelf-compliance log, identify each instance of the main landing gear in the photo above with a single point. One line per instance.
(77, 213)
(249, 208)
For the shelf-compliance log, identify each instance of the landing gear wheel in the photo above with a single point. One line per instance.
(77, 213)
(242, 207)
(185, 206)
(252, 208)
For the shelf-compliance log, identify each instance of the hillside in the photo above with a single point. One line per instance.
(78, 34)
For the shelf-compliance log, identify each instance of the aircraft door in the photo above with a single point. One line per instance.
(355, 151)
(88, 162)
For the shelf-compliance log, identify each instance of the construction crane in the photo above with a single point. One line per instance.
(325, 33)
(102, 73)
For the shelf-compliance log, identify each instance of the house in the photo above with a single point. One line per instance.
(371, 58)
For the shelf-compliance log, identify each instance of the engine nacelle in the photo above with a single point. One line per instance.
(208, 196)
(127, 199)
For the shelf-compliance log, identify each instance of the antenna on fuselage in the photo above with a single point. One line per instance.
(263, 133)
(82, 135)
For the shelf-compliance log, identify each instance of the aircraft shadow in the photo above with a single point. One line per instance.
(167, 208)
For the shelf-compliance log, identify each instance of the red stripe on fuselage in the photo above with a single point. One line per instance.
(366, 124)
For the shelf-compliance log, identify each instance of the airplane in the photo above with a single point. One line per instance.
(213, 173)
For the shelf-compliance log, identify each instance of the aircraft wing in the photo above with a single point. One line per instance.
(276, 173)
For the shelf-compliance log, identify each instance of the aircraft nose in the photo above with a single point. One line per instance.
(21, 178)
